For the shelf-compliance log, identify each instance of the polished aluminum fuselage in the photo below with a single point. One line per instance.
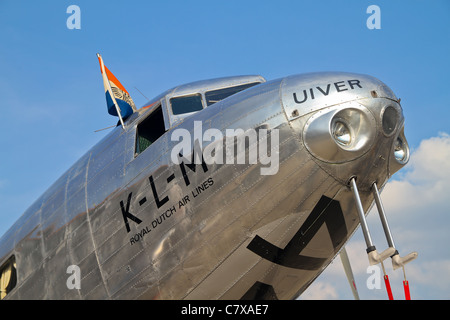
(143, 227)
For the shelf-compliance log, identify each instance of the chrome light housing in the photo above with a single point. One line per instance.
(400, 153)
(340, 134)
(401, 149)
(390, 119)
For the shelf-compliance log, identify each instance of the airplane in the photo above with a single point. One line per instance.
(228, 188)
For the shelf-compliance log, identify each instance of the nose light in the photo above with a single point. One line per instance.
(400, 151)
(341, 133)
(390, 120)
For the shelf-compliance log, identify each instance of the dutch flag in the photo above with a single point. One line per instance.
(118, 99)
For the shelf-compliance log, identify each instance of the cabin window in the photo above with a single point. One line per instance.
(8, 277)
(186, 104)
(220, 94)
(149, 130)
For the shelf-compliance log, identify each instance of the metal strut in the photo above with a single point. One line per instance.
(397, 261)
(372, 253)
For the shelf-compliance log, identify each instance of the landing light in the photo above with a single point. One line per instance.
(341, 133)
(400, 151)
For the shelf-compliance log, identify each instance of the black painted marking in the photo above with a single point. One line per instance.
(260, 291)
(142, 201)
(159, 203)
(339, 86)
(127, 215)
(170, 178)
(326, 211)
(192, 165)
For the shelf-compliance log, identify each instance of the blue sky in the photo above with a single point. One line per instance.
(53, 96)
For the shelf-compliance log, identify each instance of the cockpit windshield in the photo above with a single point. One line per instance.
(186, 104)
(220, 94)
(195, 102)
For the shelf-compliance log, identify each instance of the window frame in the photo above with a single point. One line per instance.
(199, 94)
(241, 87)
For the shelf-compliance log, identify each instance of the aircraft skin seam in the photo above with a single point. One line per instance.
(22, 282)
(92, 235)
(262, 107)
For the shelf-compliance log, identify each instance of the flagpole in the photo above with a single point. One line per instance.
(110, 90)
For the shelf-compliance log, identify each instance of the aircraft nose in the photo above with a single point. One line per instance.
(352, 124)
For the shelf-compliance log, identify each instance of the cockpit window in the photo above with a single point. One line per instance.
(186, 104)
(194, 102)
(149, 130)
(217, 95)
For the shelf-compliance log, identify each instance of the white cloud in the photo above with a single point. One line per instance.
(320, 290)
(433, 273)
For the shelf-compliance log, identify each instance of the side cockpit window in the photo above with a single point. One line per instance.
(8, 277)
(149, 130)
